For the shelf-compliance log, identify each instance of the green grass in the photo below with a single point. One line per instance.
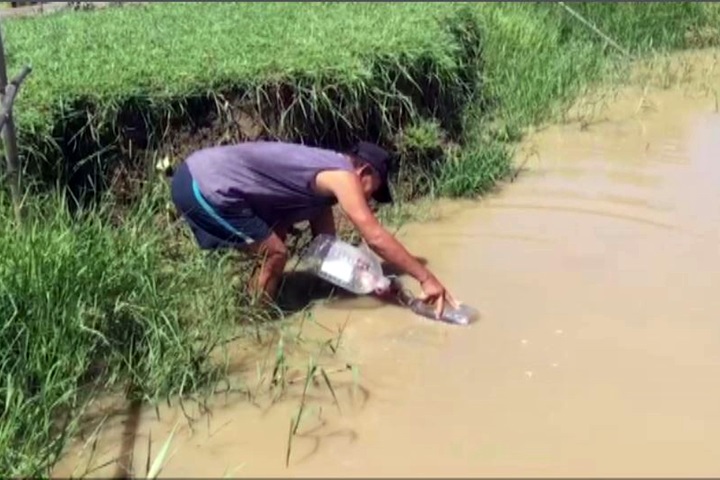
(85, 304)
(93, 301)
(323, 73)
(89, 55)
(537, 59)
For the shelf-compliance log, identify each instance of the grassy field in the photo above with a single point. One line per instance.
(304, 72)
(115, 297)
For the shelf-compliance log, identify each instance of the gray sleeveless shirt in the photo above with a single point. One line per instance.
(275, 179)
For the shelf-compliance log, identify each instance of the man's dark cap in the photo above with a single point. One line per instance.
(379, 159)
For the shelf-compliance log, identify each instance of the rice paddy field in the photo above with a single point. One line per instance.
(100, 287)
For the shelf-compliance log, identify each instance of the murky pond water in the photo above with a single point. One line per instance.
(598, 350)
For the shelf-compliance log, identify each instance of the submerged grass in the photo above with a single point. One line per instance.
(91, 301)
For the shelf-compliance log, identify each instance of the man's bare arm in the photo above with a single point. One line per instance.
(347, 189)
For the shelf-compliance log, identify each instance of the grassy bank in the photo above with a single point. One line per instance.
(117, 297)
(321, 73)
(86, 305)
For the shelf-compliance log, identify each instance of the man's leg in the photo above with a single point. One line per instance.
(273, 255)
(231, 227)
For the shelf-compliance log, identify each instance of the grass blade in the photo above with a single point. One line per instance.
(159, 461)
(291, 432)
(149, 453)
(311, 371)
(330, 387)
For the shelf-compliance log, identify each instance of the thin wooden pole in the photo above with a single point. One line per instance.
(594, 28)
(9, 135)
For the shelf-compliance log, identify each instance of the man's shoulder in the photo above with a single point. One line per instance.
(265, 150)
(298, 148)
(291, 151)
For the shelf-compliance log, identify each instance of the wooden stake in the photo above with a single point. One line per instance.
(7, 125)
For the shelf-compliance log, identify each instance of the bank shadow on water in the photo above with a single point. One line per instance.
(301, 289)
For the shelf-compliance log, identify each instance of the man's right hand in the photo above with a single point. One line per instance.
(435, 293)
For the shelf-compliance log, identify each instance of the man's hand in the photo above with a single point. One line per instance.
(435, 293)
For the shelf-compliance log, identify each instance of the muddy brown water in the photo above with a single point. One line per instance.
(598, 350)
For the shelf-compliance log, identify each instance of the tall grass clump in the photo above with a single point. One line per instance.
(537, 58)
(640, 27)
(88, 307)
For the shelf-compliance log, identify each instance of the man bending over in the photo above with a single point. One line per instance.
(249, 195)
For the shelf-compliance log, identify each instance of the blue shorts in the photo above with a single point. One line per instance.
(215, 227)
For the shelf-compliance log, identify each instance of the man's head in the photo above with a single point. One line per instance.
(371, 165)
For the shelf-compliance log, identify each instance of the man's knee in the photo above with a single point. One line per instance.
(276, 260)
(273, 253)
